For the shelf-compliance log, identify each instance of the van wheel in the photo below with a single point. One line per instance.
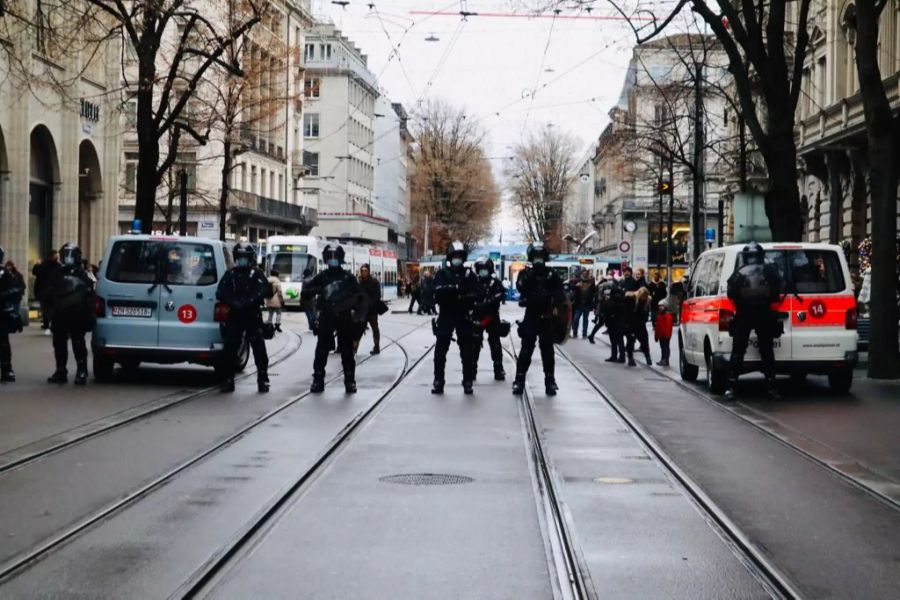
(103, 368)
(243, 356)
(688, 371)
(716, 380)
(840, 380)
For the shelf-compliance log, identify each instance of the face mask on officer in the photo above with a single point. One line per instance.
(484, 273)
(456, 262)
(69, 260)
(538, 262)
(333, 263)
(243, 261)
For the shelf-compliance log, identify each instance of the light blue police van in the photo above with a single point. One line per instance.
(156, 302)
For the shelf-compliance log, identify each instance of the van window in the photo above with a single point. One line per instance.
(711, 273)
(133, 261)
(816, 272)
(698, 279)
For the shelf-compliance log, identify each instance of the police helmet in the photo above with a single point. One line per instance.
(244, 254)
(753, 253)
(70, 254)
(536, 250)
(484, 267)
(457, 254)
(330, 254)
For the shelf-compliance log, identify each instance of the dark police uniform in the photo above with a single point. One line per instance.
(12, 288)
(244, 289)
(614, 306)
(70, 292)
(753, 287)
(343, 308)
(540, 291)
(486, 317)
(455, 289)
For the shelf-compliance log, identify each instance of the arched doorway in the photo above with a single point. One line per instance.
(43, 179)
(90, 188)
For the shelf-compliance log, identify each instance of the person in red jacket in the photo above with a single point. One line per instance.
(663, 331)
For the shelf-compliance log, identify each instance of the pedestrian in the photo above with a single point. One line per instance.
(342, 311)
(427, 292)
(636, 323)
(455, 291)
(415, 296)
(640, 276)
(628, 282)
(615, 309)
(308, 304)
(89, 270)
(662, 331)
(43, 272)
(372, 288)
(275, 304)
(489, 295)
(12, 288)
(753, 287)
(583, 301)
(541, 293)
(244, 289)
(677, 294)
(70, 300)
(602, 289)
(657, 289)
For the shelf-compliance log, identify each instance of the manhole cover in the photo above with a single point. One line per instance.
(425, 479)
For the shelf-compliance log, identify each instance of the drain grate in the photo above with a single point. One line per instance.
(425, 479)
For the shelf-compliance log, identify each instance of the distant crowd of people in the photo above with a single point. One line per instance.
(624, 306)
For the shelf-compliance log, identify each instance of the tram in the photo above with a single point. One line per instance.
(291, 255)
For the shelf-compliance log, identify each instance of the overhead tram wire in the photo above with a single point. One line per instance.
(537, 80)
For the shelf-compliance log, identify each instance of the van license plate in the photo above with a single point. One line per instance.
(144, 312)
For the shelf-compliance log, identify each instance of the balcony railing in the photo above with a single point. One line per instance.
(269, 208)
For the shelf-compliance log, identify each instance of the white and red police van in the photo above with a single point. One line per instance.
(817, 308)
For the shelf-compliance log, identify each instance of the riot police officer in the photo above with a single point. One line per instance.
(486, 316)
(454, 292)
(12, 288)
(343, 308)
(753, 287)
(542, 294)
(70, 292)
(244, 289)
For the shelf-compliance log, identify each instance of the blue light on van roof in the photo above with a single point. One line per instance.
(136, 226)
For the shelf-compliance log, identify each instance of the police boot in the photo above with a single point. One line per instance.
(376, 349)
(731, 390)
(81, 374)
(7, 375)
(612, 358)
(262, 382)
(771, 390)
(438, 386)
(227, 386)
(350, 382)
(59, 376)
(518, 387)
(318, 383)
(499, 373)
(550, 387)
(468, 388)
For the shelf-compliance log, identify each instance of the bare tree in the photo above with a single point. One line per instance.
(882, 138)
(539, 177)
(174, 45)
(453, 183)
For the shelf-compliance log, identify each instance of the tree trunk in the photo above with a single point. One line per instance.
(223, 198)
(783, 198)
(698, 170)
(884, 354)
(148, 147)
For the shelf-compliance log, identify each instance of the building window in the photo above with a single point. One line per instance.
(188, 162)
(281, 187)
(272, 190)
(325, 51)
(262, 182)
(252, 180)
(311, 162)
(311, 125)
(131, 163)
(309, 52)
(311, 87)
(131, 113)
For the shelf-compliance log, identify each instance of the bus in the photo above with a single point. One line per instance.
(291, 255)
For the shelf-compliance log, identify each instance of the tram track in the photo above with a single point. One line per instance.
(573, 576)
(776, 582)
(872, 484)
(23, 560)
(39, 449)
(221, 561)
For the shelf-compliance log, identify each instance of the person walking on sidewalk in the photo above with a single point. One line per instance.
(43, 273)
(636, 323)
(662, 331)
(601, 298)
(415, 296)
(275, 304)
(12, 288)
(372, 288)
(70, 297)
(426, 294)
(584, 297)
(657, 289)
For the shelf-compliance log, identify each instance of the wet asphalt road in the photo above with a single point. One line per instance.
(348, 534)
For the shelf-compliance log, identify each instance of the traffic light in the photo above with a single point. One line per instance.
(664, 187)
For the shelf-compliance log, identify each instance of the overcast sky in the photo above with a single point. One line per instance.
(492, 64)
